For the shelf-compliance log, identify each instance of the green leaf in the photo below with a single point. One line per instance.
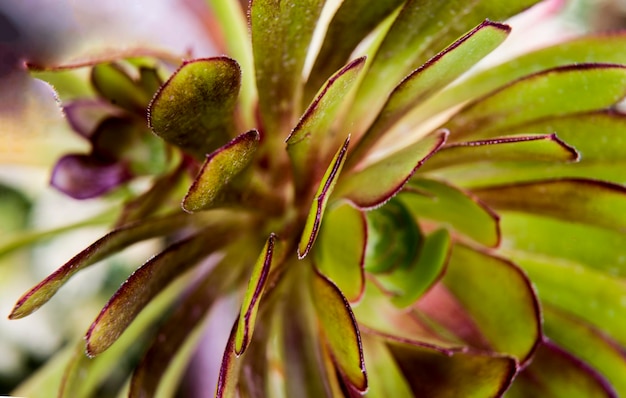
(109, 244)
(281, 35)
(340, 330)
(210, 188)
(469, 374)
(499, 297)
(589, 344)
(414, 38)
(148, 280)
(325, 189)
(229, 369)
(407, 284)
(585, 245)
(114, 84)
(533, 148)
(585, 201)
(389, 380)
(450, 206)
(556, 373)
(435, 74)
(311, 143)
(194, 108)
(599, 48)
(340, 250)
(560, 91)
(252, 298)
(393, 238)
(390, 173)
(592, 296)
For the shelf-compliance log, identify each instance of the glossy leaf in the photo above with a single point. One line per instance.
(534, 148)
(417, 36)
(390, 173)
(325, 189)
(554, 372)
(85, 176)
(433, 374)
(340, 330)
(589, 344)
(499, 296)
(393, 238)
(281, 35)
(340, 250)
(407, 284)
(560, 91)
(310, 143)
(253, 295)
(586, 201)
(114, 84)
(229, 370)
(450, 206)
(111, 243)
(389, 380)
(435, 74)
(218, 170)
(194, 108)
(147, 281)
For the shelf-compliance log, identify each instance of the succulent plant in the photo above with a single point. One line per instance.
(389, 223)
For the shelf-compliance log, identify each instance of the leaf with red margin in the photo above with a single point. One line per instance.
(389, 380)
(589, 344)
(499, 297)
(433, 374)
(194, 109)
(555, 92)
(218, 170)
(311, 142)
(435, 74)
(450, 206)
(380, 181)
(533, 148)
(555, 372)
(86, 176)
(252, 298)
(340, 330)
(324, 190)
(340, 250)
(281, 34)
(111, 243)
(229, 370)
(585, 201)
(148, 280)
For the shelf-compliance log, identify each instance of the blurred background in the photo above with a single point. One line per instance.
(40, 228)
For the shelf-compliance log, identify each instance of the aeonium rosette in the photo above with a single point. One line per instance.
(414, 228)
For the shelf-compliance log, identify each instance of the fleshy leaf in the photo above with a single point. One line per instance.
(219, 169)
(407, 284)
(281, 35)
(390, 173)
(252, 298)
(114, 84)
(586, 201)
(147, 281)
(325, 189)
(554, 372)
(499, 296)
(535, 148)
(429, 78)
(229, 370)
(194, 108)
(560, 91)
(433, 374)
(340, 250)
(438, 201)
(86, 176)
(310, 143)
(417, 36)
(85, 115)
(389, 380)
(354, 20)
(589, 344)
(340, 330)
